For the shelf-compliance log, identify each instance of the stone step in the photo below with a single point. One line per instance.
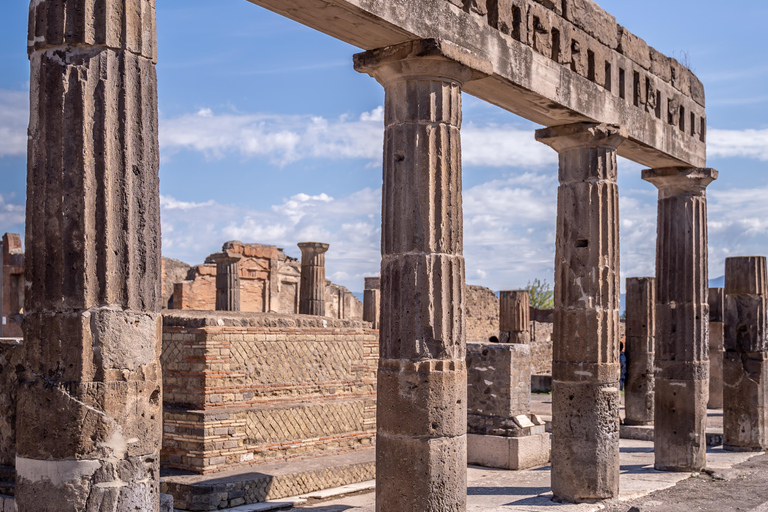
(255, 484)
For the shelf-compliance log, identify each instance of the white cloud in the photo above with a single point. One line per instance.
(14, 118)
(738, 143)
(12, 214)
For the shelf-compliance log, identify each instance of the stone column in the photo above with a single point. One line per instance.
(745, 365)
(641, 325)
(227, 281)
(515, 317)
(372, 301)
(422, 380)
(585, 369)
(90, 400)
(312, 287)
(682, 318)
(716, 347)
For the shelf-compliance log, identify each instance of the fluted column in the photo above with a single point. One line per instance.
(641, 325)
(515, 317)
(90, 401)
(585, 368)
(312, 288)
(422, 380)
(682, 318)
(716, 347)
(227, 281)
(372, 301)
(745, 365)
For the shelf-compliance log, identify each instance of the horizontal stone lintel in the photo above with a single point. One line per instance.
(527, 82)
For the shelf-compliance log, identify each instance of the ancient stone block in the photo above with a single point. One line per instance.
(634, 48)
(498, 387)
(513, 453)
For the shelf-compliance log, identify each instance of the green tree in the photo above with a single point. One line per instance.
(541, 294)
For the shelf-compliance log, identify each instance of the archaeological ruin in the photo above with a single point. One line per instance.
(260, 361)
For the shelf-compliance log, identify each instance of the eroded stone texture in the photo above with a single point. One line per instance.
(745, 364)
(716, 347)
(585, 369)
(422, 382)
(89, 405)
(372, 301)
(227, 281)
(641, 325)
(11, 285)
(682, 318)
(498, 387)
(312, 291)
(514, 317)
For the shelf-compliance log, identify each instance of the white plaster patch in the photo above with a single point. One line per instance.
(583, 373)
(681, 384)
(57, 472)
(488, 382)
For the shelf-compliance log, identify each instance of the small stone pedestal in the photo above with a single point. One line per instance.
(500, 431)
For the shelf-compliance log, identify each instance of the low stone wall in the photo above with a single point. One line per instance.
(241, 389)
(10, 361)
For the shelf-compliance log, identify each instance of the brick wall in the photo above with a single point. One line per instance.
(10, 359)
(241, 389)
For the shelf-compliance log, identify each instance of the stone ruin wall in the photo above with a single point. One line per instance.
(11, 285)
(269, 282)
(243, 389)
(482, 316)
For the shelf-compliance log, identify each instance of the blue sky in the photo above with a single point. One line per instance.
(268, 135)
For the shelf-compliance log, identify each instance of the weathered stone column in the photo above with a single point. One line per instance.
(372, 301)
(745, 365)
(514, 317)
(312, 288)
(641, 325)
(227, 281)
(682, 318)
(422, 380)
(716, 347)
(585, 368)
(90, 401)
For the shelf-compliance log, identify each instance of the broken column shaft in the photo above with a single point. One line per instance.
(515, 317)
(422, 380)
(716, 347)
(90, 401)
(372, 301)
(585, 368)
(227, 281)
(641, 325)
(682, 317)
(312, 288)
(745, 364)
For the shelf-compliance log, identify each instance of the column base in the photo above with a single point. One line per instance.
(509, 452)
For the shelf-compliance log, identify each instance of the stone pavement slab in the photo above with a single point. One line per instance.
(492, 490)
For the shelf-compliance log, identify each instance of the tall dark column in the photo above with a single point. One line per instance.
(90, 401)
(716, 347)
(421, 452)
(745, 364)
(585, 368)
(372, 301)
(682, 318)
(641, 341)
(312, 290)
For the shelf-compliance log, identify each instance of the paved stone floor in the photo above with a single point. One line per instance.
(528, 491)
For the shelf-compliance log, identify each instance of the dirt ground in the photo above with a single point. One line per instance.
(742, 488)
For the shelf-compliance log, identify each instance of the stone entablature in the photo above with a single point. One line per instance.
(270, 282)
(552, 62)
(242, 389)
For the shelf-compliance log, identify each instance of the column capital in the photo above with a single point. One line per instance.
(674, 181)
(422, 58)
(225, 257)
(582, 135)
(372, 283)
(313, 248)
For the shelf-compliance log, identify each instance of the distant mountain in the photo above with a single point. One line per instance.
(718, 282)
